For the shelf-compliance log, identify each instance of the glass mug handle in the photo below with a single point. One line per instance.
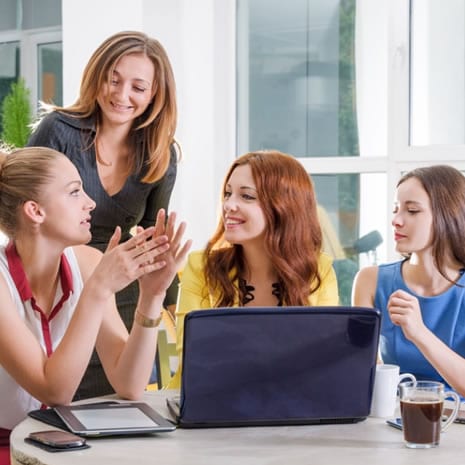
(455, 411)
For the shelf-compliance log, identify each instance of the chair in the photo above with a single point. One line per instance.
(166, 351)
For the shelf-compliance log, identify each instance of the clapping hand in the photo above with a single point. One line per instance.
(123, 263)
(157, 281)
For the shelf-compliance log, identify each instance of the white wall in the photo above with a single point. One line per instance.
(86, 24)
(438, 73)
(197, 36)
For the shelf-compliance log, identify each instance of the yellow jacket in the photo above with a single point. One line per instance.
(194, 295)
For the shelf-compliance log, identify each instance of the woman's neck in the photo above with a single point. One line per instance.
(423, 277)
(41, 264)
(258, 265)
(112, 147)
(119, 133)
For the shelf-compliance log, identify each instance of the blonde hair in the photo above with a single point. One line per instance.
(23, 174)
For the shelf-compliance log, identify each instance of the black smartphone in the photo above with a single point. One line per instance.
(58, 439)
(395, 422)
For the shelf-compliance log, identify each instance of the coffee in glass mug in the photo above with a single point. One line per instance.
(422, 420)
(421, 407)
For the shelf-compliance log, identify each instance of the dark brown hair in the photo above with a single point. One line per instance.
(445, 187)
(292, 236)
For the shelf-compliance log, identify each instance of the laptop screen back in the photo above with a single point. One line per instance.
(288, 365)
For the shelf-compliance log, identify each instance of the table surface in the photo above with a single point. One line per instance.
(372, 440)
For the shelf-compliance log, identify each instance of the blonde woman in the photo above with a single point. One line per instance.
(57, 294)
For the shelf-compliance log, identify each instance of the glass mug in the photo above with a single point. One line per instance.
(421, 407)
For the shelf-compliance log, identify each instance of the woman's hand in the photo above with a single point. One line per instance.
(123, 263)
(158, 280)
(404, 311)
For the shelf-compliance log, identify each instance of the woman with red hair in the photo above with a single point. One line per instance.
(266, 250)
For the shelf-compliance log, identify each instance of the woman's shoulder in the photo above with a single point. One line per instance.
(387, 272)
(383, 269)
(87, 258)
(56, 117)
(324, 260)
(368, 273)
(195, 259)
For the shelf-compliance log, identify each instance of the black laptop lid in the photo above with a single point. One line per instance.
(288, 365)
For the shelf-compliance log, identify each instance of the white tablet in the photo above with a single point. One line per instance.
(125, 418)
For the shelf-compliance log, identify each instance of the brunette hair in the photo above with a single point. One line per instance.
(292, 235)
(23, 174)
(445, 187)
(157, 125)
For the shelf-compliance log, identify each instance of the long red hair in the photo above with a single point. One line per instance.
(292, 236)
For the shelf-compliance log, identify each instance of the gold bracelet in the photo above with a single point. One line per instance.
(147, 322)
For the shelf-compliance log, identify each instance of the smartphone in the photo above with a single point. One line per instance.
(58, 439)
(395, 422)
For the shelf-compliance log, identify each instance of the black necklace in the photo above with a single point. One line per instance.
(246, 292)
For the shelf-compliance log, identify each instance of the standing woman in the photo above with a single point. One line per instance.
(57, 294)
(266, 250)
(120, 135)
(422, 296)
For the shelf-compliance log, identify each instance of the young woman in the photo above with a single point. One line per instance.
(120, 135)
(57, 294)
(422, 297)
(266, 250)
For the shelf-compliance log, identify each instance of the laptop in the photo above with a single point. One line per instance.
(277, 366)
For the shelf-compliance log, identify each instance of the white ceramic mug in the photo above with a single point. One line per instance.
(384, 398)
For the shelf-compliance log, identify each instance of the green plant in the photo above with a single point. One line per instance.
(16, 115)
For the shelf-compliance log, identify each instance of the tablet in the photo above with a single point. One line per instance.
(121, 419)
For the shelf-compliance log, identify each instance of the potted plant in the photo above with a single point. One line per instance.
(16, 115)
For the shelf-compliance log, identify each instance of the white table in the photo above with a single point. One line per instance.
(369, 442)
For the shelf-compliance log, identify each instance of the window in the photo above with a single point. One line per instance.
(30, 47)
(9, 69)
(297, 93)
(297, 69)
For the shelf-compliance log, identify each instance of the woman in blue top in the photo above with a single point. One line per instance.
(422, 297)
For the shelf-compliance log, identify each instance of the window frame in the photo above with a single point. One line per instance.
(29, 41)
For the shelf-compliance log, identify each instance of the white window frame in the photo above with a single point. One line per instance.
(401, 156)
(29, 41)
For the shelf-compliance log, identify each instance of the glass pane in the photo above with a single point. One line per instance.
(352, 220)
(50, 63)
(9, 16)
(296, 77)
(9, 69)
(437, 72)
(40, 14)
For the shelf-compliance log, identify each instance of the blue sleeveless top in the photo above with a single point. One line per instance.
(443, 314)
